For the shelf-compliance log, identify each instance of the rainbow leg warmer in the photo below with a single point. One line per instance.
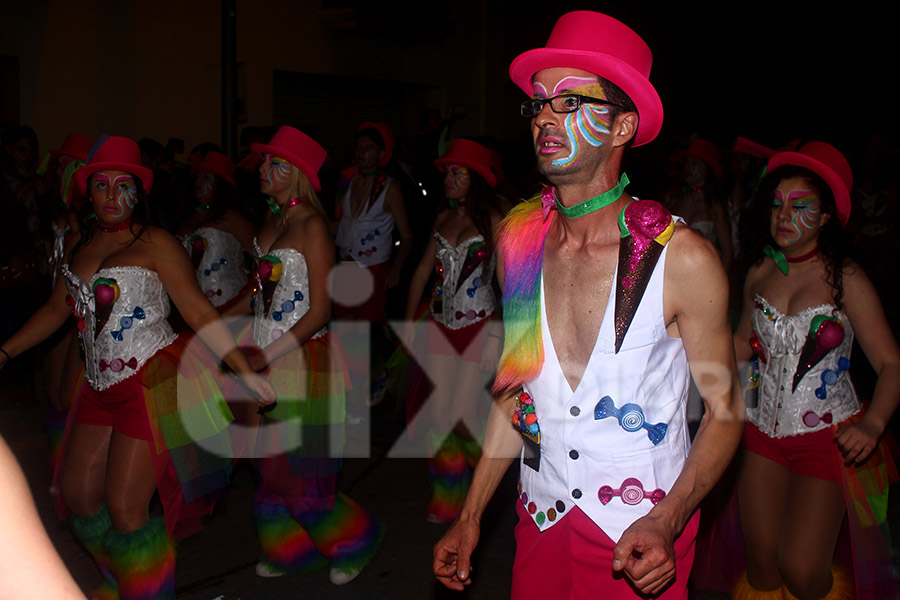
(143, 562)
(92, 531)
(346, 535)
(450, 472)
(285, 544)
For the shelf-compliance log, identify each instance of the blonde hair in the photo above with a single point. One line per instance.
(302, 188)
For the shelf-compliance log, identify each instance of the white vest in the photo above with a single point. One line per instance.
(367, 239)
(593, 462)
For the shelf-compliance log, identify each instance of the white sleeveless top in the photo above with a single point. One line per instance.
(463, 294)
(367, 239)
(614, 464)
(219, 262)
(283, 296)
(824, 394)
(123, 311)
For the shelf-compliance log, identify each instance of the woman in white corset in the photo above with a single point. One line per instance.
(217, 235)
(148, 415)
(461, 352)
(808, 440)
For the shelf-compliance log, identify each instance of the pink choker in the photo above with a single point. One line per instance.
(114, 228)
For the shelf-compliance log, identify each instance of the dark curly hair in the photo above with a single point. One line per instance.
(755, 231)
(479, 203)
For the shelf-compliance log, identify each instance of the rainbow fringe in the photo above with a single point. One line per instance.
(450, 472)
(143, 561)
(520, 242)
(92, 531)
(347, 537)
(285, 544)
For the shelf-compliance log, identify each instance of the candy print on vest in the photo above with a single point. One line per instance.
(825, 334)
(632, 492)
(525, 420)
(829, 377)
(645, 227)
(631, 418)
(127, 322)
(106, 292)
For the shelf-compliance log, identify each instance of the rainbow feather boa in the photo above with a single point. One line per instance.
(520, 241)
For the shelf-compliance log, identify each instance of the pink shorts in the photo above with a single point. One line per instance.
(814, 454)
(573, 560)
(122, 406)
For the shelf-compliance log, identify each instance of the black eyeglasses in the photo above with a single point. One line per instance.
(565, 103)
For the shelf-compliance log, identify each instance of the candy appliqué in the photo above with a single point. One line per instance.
(127, 322)
(825, 334)
(631, 418)
(198, 248)
(288, 306)
(268, 272)
(106, 291)
(645, 228)
(525, 420)
(631, 492)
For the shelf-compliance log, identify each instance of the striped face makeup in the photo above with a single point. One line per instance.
(456, 182)
(113, 193)
(275, 174)
(796, 213)
(587, 127)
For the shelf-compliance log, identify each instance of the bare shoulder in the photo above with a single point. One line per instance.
(691, 254)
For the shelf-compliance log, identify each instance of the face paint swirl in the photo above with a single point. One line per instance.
(805, 213)
(124, 188)
(587, 125)
(456, 183)
(278, 174)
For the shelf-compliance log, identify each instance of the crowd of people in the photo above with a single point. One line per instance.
(186, 314)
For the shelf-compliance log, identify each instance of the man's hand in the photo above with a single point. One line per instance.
(452, 555)
(646, 554)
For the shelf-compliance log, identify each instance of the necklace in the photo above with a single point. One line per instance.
(276, 210)
(114, 228)
(595, 203)
(784, 263)
(202, 208)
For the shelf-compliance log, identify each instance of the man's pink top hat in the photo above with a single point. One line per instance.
(217, 164)
(599, 44)
(827, 162)
(471, 155)
(76, 146)
(298, 149)
(114, 153)
(387, 135)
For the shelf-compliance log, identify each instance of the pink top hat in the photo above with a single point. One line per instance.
(599, 44)
(217, 164)
(297, 148)
(827, 162)
(114, 153)
(76, 146)
(748, 146)
(707, 152)
(387, 134)
(471, 155)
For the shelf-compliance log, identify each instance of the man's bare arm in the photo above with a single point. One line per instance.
(696, 295)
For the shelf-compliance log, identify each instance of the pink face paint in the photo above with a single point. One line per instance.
(124, 188)
(805, 213)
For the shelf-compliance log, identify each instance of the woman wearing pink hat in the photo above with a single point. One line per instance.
(129, 433)
(810, 446)
(460, 350)
(217, 235)
(302, 520)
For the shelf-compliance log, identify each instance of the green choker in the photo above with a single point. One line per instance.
(202, 208)
(595, 203)
(276, 210)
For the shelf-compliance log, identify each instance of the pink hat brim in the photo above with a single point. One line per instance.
(478, 167)
(635, 85)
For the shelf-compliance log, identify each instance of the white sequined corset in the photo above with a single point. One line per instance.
(463, 293)
(122, 317)
(804, 383)
(218, 259)
(283, 298)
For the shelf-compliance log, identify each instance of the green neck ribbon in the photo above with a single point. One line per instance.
(595, 203)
